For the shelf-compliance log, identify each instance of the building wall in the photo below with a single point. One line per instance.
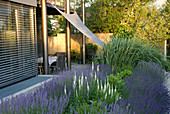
(57, 44)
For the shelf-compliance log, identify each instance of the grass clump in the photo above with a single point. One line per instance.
(121, 52)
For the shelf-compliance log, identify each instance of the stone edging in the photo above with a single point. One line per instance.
(29, 89)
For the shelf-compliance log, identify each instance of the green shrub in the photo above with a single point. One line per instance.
(91, 50)
(124, 33)
(75, 56)
(128, 52)
(117, 80)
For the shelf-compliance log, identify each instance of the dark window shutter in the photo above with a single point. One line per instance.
(18, 45)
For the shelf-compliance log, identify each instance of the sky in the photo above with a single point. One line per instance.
(159, 3)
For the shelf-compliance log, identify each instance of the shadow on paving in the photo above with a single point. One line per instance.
(12, 89)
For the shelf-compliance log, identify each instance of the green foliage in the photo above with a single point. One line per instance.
(146, 22)
(91, 50)
(105, 15)
(118, 79)
(128, 52)
(168, 65)
(75, 56)
(51, 31)
(96, 107)
(124, 33)
(49, 25)
(104, 18)
(124, 74)
(62, 23)
(129, 18)
(87, 91)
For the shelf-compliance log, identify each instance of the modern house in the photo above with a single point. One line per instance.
(18, 39)
(22, 38)
(23, 28)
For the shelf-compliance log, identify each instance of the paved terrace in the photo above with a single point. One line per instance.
(30, 84)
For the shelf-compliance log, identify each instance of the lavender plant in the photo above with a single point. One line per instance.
(88, 91)
(145, 91)
(53, 96)
(34, 103)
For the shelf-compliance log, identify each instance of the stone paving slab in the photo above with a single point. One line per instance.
(167, 84)
(167, 81)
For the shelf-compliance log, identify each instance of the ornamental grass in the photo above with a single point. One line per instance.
(121, 52)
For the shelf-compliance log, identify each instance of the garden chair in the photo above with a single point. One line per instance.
(62, 63)
(54, 65)
(40, 68)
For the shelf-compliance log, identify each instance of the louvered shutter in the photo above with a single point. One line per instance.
(18, 53)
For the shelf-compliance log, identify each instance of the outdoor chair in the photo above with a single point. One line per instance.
(59, 63)
(40, 68)
(62, 63)
(54, 65)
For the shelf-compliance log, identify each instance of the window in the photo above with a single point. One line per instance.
(18, 51)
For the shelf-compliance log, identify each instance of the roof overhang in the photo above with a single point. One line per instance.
(26, 2)
(51, 10)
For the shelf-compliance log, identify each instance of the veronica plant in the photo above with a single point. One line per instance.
(91, 88)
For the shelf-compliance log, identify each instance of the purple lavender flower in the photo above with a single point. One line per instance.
(145, 91)
(50, 97)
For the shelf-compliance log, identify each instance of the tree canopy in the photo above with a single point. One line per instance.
(129, 18)
(125, 18)
(146, 22)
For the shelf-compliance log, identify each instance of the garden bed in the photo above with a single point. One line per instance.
(90, 90)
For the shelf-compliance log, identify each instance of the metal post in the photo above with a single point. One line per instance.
(68, 39)
(45, 35)
(55, 2)
(83, 38)
(165, 48)
(74, 5)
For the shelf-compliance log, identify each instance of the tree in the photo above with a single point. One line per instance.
(129, 18)
(106, 15)
(103, 17)
(146, 22)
